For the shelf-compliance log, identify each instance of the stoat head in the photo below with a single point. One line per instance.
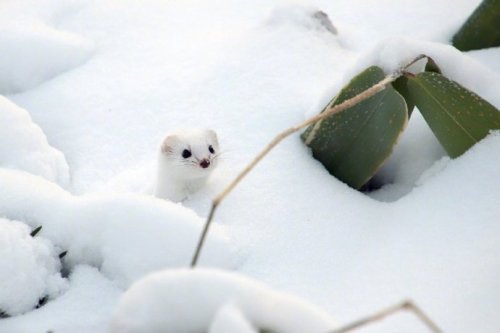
(191, 153)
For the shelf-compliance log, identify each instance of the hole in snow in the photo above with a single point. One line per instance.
(417, 156)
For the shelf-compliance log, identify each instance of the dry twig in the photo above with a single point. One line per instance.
(406, 305)
(329, 111)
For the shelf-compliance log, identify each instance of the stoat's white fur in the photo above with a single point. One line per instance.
(178, 174)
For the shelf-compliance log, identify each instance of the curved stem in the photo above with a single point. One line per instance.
(203, 236)
(376, 88)
(406, 305)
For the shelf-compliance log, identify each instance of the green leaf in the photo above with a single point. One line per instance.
(35, 231)
(401, 85)
(353, 144)
(482, 28)
(41, 302)
(458, 117)
(431, 66)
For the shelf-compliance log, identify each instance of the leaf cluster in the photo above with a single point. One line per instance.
(355, 143)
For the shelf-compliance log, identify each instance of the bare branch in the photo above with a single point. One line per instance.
(204, 234)
(406, 305)
(329, 111)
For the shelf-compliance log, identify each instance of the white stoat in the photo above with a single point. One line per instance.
(186, 160)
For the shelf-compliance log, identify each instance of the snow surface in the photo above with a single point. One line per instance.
(106, 80)
(89, 293)
(25, 147)
(126, 236)
(29, 269)
(200, 300)
(230, 319)
(33, 52)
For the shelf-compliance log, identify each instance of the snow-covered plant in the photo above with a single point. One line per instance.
(364, 121)
(213, 301)
(354, 144)
(29, 269)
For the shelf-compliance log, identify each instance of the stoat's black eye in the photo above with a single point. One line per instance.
(211, 149)
(186, 153)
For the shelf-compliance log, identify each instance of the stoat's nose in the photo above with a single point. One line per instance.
(205, 163)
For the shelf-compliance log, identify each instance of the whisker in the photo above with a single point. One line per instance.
(217, 155)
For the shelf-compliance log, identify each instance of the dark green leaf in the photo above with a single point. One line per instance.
(401, 85)
(482, 28)
(36, 231)
(353, 144)
(458, 117)
(431, 66)
(41, 302)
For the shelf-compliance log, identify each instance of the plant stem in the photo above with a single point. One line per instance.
(204, 234)
(327, 113)
(35, 231)
(406, 305)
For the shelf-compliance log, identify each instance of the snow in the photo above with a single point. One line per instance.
(56, 52)
(488, 56)
(103, 230)
(89, 293)
(309, 18)
(198, 300)
(230, 319)
(29, 269)
(25, 147)
(93, 87)
(390, 54)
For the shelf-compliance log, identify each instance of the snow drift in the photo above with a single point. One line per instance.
(126, 236)
(191, 301)
(33, 52)
(25, 147)
(29, 269)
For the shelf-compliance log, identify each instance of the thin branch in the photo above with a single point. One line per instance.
(35, 231)
(406, 305)
(203, 235)
(329, 111)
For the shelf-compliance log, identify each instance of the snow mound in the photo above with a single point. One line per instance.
(393, 53)
(25, 147)
(307, 17)
(127, 236)
(198, 300)
(33, 52)
(418, 149)
(29, 269)
(75, 310)
(230, 319)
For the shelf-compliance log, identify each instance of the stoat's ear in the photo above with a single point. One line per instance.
(167, 144)
(213, 137)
